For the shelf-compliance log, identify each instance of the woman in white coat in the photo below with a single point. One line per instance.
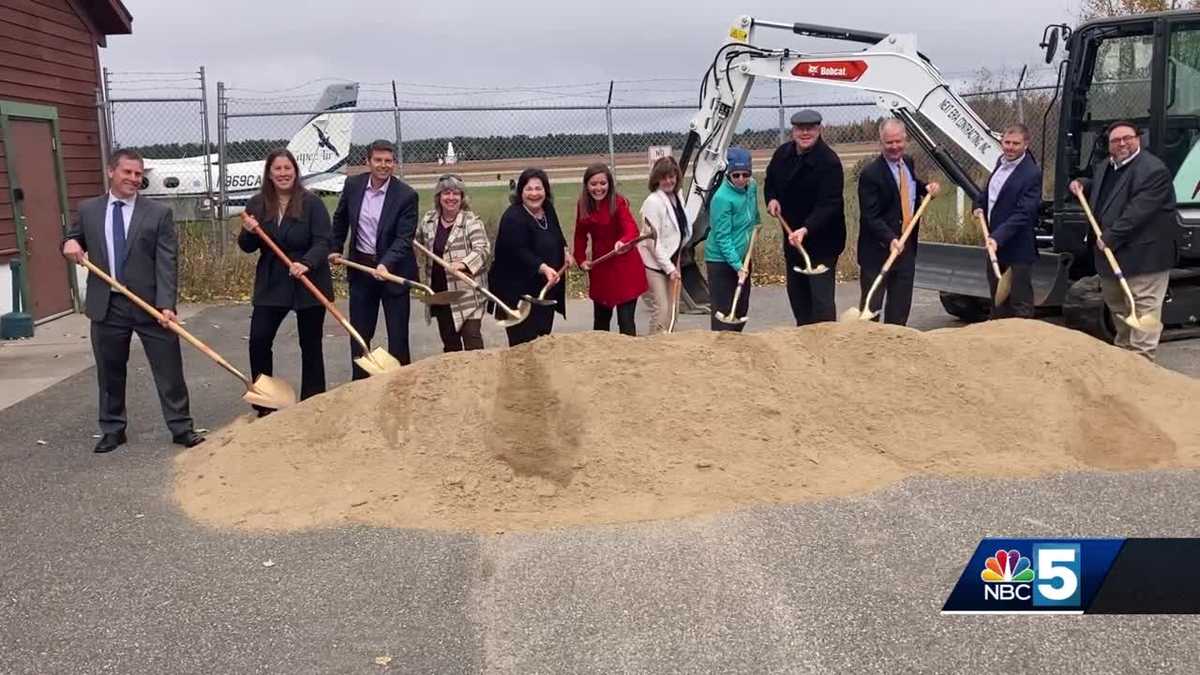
(663, 211)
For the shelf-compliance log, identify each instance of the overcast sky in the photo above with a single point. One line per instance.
(273, 44)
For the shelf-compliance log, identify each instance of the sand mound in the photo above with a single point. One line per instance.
(601, 428)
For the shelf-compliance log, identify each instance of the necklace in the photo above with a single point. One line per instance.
(542, 222)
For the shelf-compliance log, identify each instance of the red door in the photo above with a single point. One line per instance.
(31, 158)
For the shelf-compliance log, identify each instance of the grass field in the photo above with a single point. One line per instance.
(208, 276)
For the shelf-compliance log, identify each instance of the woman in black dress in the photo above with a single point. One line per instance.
(298, 222)
(530, 251)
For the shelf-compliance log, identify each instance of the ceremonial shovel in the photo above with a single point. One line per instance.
(1146, 323)
(265, 391)
(731, 318)
(424, 293)
(374, 361)
(808, 268)
(515, 317)
(865, 314)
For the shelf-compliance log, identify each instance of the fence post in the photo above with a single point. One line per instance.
(1020, 96)
(399, 136)
(112, 130)
(782, 128)
(961, 201)
(612, 155)
(102, 122)
(208, 186)
(222, 159)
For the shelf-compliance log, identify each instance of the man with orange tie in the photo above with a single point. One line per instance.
(888, 194)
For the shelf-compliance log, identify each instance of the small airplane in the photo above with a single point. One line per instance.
(321, 147)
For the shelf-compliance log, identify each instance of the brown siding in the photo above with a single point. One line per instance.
(48, 56)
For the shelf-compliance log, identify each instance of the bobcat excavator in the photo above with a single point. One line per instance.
(1143, 68)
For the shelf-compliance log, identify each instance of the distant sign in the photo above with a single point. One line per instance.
(657, 152)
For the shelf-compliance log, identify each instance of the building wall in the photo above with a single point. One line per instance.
(49, 56)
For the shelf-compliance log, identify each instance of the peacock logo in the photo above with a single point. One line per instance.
(1007, 567)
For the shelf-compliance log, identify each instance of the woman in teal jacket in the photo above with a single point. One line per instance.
(733, 215)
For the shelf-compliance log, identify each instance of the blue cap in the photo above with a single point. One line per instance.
(738, 159)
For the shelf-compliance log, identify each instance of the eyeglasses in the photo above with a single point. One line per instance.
(1119, 140)
(739, 174)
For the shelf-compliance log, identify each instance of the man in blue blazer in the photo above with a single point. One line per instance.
(378, 213)
(1011, 203)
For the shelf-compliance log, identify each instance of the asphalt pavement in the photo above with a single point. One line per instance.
(101, 572)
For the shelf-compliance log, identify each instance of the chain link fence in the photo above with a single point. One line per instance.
(489, 135)
(164, 116)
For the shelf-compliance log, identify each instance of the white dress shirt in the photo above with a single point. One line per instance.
(999, 178)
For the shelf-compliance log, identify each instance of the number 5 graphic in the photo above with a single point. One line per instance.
(1058, 579)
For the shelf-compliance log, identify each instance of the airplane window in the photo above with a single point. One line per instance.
(171, 182)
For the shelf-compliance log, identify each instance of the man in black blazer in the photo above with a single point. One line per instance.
(134, 241)
(379, 214)
(1132, 196)
(1010, 203)
(888, 194)
(804, 182)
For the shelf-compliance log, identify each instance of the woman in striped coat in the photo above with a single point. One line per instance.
(454, 233)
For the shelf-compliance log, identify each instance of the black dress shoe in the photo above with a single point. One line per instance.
(188, 439)
(110, 442)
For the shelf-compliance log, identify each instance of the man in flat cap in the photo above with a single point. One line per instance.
(804, 184)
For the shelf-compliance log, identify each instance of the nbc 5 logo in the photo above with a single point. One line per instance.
(1051, 579)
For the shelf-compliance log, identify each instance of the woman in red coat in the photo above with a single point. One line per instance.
(603, 215)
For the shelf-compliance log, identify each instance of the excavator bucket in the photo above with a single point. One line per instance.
(962, 270)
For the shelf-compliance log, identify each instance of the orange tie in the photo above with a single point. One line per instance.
(905, 198)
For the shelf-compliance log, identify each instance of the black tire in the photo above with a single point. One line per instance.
(965, 307)
(1084, 310)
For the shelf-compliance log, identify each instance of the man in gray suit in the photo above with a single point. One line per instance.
(1133, 198)
(134, 241)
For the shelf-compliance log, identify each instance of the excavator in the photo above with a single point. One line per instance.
(1143, 68)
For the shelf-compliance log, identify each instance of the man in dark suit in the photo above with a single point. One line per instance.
(888, 194)
(134, 241)
(379, 214)
(804, 182)
(1010, 204)
(1132, 196)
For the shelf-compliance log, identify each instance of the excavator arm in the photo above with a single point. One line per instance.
(903, 82)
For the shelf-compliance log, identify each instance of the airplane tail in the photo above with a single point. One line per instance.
(323, 143)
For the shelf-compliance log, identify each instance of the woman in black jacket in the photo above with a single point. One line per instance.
(530, 251)
(298, 222)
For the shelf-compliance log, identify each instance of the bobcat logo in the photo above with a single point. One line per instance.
(324, 142)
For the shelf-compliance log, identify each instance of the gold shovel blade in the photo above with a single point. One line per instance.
(523, 310)
(442, 298)
(270, 392)
(378, 362)
(1004, 286)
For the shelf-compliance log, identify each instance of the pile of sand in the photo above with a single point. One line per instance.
(601, 428)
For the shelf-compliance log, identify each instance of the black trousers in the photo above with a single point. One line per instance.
(1019, 303)
(366, 295)
(811, 296)
(894, 295)
(310, 322)
(722, 285)
(454, 339)
(626, 313)
(539, 322)
(110, 346)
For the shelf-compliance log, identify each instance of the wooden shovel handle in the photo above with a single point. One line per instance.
(628, 246)
(312, 288)
(371, 270)
(1112, 259)
(158, 316)
(991, 256)
(912, 225)
(465, 279)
